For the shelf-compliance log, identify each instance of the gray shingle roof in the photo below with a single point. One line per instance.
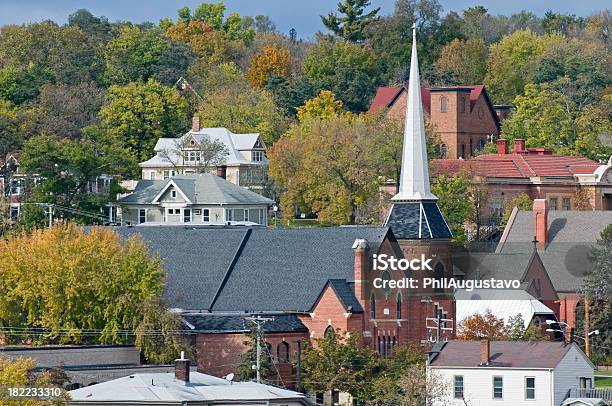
(572, 235)
(418, 220)
(285, 323)
(203, 188)
(281, 270)
(503, 354)
(346, 293)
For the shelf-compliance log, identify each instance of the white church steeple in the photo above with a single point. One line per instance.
(414, 179)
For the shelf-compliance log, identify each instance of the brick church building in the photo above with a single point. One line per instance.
(463, 116)
(310, 282)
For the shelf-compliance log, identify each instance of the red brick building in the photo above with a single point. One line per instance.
(463, 116)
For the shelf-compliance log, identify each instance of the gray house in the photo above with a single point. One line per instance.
(196, 198)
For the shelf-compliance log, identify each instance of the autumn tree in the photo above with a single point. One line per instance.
(481, 326)
(19, 373)
(271, 61)
(464, 61)
(138, 114)
(327, 167)
(66, 282)
(353, 22)
(324, 106)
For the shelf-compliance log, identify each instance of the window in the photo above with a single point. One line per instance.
(458, 386)
(14, 213)
(462, 104)
(258, 156)
(443, 104)
(566, 204)
(586, 383)
(173, 194)
(229, 215)
(481, 143)
(152, 175)
(206, 215)
(174, 212)
(552, 203)
(186, 215)
(443, 151)
(261, 216)
(142, 216)
(246, 214)
(398, 306)
(529, 388)
(372, 306)
(329, 332)
(498, 387)
(471, 147)
(282, 351)
(462, 150)
(166, 174)
(193, 156)
(197, 212)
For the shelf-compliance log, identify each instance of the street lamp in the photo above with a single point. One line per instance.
(275, 209)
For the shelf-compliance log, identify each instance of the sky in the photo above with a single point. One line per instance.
(303, 15)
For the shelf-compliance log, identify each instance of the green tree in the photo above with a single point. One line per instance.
(19, 85)
(517, 331)
(454, 202)
(464, 61)
(65, 280)
(339, 362)
(325, 105)
(248, 359)
(19, 372)
(521, 202)
(347, 69)
(138, 114)
(354, 21)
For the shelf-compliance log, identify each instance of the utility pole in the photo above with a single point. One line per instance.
(50, 208)
(587, 340)
(259, 322)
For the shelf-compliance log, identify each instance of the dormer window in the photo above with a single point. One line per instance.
(258, 156)
(173, 194)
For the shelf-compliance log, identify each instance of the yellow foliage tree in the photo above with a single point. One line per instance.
(18, 373)
(325, 105)
(271, 61)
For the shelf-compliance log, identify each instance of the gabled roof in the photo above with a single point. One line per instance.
(233, 142)
(345, 292)
(504, 354)
(202, 188)
(517, 166)
(254, 270)
(571, 236)
(417, 220)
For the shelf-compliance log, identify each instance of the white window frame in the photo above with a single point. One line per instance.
(258, 156)
(530, 388)
(246, 215)
(455, 386)
(206, 215)
(184, 215)
(173, 193)
(139, 216)
(501, 387)
(229, 214)
(152, 175)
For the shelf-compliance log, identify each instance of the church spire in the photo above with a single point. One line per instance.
(414, 179)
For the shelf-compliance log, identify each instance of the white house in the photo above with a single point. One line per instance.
(509, 373)
(244, 164)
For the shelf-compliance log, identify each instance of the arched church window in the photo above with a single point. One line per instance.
(282, 351)
(462, 150)
(398, 305)
(329, 332)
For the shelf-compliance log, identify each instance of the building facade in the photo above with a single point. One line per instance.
(463, 116)
(244, 164)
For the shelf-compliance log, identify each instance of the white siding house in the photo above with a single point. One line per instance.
(508, 373)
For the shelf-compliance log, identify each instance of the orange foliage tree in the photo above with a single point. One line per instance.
(272, 60)
(482, 326)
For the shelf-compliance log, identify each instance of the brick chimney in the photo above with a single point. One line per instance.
(361, 248)
(540, 222)
(222, 171)
(181, 368)
(519, 145)
(485, 351)
(196, 124)
(502, 146)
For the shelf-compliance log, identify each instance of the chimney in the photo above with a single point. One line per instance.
(196, 124)
(540, 222)
(181, 368)
(222, 171)
(569, 335)
(485, 351)
(519, 145)
(361, 248)
(502, 146)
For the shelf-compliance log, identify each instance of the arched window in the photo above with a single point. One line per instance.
(372, 306)
(398, 305)
(282, 351)
(471, 148)
(443, 151)
(443, 104)
(330, 332)
(481, 143)
(462, 150)
(439, 276)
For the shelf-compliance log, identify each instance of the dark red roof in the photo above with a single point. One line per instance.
(517, 165)
(503, 354)
(385, 96)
